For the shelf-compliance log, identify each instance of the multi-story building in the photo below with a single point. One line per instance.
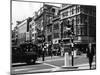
(38, 19)
(14, 36)
(56, 34)
(83, 20)
(43, 21)
(23, 31)
(33, 31)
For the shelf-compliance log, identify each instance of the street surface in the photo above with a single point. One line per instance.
(50, 64)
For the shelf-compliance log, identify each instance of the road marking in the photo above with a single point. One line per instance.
(18, 63)
(43, 70)
(55, 68)
(51, 65)
(53, 60)
(20, 69)
(23, 69)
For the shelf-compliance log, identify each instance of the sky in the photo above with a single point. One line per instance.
(23, 10)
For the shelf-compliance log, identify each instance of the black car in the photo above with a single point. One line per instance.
(25, 53)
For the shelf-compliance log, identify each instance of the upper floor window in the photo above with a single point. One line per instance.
(56, 35)
(72, 21)
(82, 30)
(49, 28)
(77, 20)
(64, 14)
(72, 11)
(77, 8)
(56, 26)
(33, 35)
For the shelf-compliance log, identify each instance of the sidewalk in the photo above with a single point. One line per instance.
(79, 67)
(86, 66)
(59, 69)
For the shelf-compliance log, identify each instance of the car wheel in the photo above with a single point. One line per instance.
(31, 61)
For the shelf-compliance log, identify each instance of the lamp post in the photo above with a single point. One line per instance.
(72, 44)
(72, 50)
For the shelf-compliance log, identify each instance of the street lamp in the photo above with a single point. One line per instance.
(72, 44)
(72, 51)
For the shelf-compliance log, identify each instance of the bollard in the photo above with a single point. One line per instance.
(66, 63)
(74, 53)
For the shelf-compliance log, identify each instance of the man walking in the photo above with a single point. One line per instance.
(43, 55)
(90, 54)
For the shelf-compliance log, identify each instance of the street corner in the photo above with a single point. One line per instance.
(86, 66)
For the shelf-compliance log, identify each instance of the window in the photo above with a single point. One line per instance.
(78, 30)
(56, 35)
(77, 20)
(56, 26)
(32, 35)
(77, 9)
(72, 10)
(65, 14)
(64, 35)
(53, 10)
(49, 37)
(72, 21)
(82, 30)
(49, 28)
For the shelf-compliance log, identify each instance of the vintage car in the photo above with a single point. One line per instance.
(27, 52)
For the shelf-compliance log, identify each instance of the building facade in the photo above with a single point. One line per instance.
(43, 21)
(14, 36)
(83, 20)
(33, 31)
(56, 28)
(23, 31)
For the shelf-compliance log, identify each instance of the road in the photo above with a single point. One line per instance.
(48, 65)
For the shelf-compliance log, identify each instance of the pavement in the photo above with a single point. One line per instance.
(60, 69)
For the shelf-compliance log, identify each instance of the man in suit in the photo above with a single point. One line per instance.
(90, 54)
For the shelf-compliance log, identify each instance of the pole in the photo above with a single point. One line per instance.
(43, 36)
(72, 45)
(61, 42)
(72, 52)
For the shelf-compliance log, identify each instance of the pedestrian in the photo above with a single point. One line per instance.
(51, 53)
(43, 54)
(90, 54)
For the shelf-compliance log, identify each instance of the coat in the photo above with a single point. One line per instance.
(90, 53)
